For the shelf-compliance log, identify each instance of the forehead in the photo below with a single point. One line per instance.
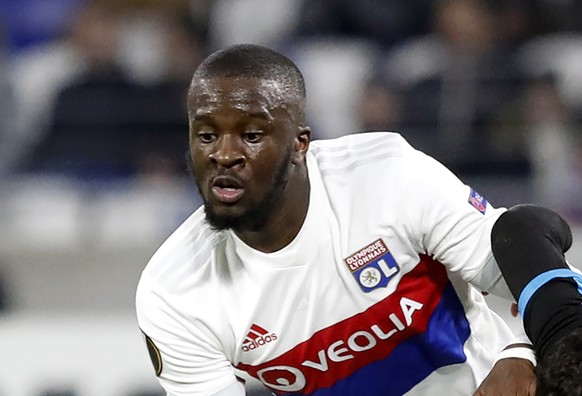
(243, 93)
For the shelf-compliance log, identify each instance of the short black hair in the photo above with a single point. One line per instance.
(250, 60)
(559, 371)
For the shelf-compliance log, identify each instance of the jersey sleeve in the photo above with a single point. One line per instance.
(187, 357)
(450, 221)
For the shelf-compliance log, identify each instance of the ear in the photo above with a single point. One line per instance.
(301, 144)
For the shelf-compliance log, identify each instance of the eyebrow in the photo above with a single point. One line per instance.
(207, 116)
(260, 115)
(202, 117)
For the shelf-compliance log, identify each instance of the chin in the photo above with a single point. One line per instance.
(222, 217)
(238, 219)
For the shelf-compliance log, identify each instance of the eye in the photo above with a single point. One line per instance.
(206, 137)
(253, 136)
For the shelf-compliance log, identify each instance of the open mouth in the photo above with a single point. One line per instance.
(227, 189)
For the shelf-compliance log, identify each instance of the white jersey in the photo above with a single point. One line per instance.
(372, 297)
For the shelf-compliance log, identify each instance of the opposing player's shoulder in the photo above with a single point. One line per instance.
(186, 251)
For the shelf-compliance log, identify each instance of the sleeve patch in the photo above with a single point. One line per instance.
(154, 353)
(478, 201)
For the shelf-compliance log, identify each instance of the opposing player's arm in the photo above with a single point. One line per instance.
(188, 359)
(529, 243)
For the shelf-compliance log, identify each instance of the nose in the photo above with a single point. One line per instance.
(227, 152)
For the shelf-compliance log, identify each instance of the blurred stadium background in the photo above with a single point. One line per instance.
(93, 136)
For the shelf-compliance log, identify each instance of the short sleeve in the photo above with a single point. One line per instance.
(451, 221)
(187, 356)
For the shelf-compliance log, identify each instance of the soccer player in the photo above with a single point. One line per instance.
(529, 243)
(351, 266)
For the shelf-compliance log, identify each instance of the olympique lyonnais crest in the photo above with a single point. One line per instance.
(373, 266)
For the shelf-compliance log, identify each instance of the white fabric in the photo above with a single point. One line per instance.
(235, 389)
(300, 320)
(518, 352)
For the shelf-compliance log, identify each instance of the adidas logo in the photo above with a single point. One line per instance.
(256, 338)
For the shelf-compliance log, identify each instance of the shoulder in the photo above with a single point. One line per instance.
(368, 153)
(359, 143)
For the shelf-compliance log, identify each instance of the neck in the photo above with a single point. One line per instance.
(285, 222)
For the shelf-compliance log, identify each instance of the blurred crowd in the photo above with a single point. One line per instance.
(95, 89)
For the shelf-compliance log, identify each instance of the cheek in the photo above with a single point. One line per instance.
(199, 152)
(198, 160)
(270, 168)
(264, 159)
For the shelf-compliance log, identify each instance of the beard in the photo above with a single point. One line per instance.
(257, 215)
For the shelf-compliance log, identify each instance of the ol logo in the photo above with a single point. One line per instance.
(372, 266)
(369, 277)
